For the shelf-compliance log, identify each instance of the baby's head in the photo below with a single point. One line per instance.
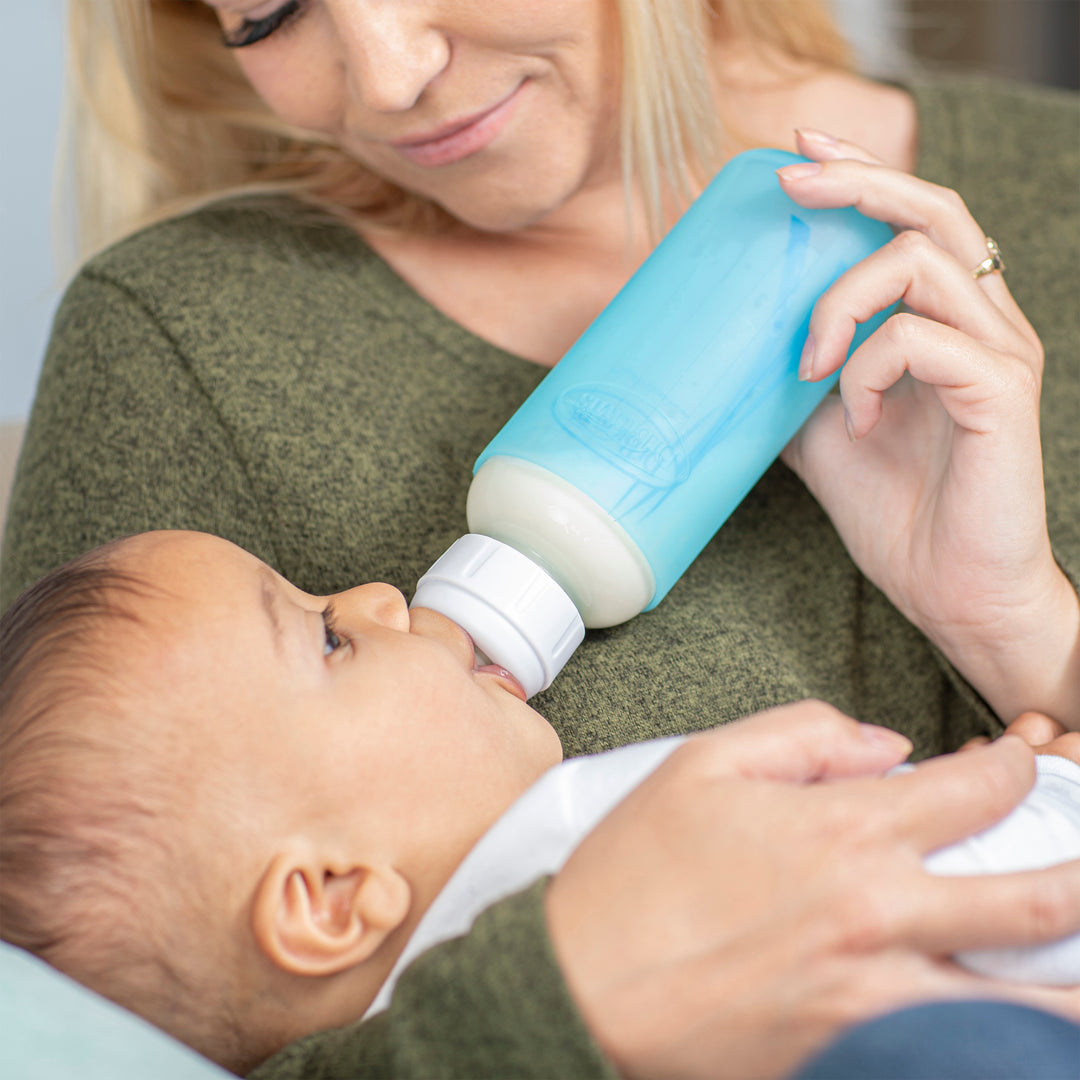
(225, 803)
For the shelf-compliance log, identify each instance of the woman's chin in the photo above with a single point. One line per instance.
(510, 197)
(501, 215)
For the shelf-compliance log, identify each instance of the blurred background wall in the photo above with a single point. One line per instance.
(1029, 40)
(1022, 39)
(30, 111)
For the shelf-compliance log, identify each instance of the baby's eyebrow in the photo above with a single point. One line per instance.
(270, 598)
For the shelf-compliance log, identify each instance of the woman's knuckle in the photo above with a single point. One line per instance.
(693, 759)
(1019, 379)
(829, 302)
(825, 714)
(912, 244)
(1049, 910)
(996, 788)
(1026, 381)
(902, 327)
(699, 763)
(870, 923)
(950, 200)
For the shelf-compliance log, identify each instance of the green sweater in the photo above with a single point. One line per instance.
(252, 372)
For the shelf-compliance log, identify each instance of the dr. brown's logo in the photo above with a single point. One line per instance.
(626, 432)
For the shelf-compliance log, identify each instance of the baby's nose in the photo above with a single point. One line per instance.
(378, 602)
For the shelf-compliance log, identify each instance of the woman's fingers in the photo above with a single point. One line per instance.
(943, 801)
(821, 146)
(946, 799)
(902, 200)
(800, 743)
(1036, 729)
(998, 910)
(905, 202)
(910, 269)
(1065, 1001)
(977, 386)
(715, 902)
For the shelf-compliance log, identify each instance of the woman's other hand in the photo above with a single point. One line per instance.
(732, 915)
(929, 462)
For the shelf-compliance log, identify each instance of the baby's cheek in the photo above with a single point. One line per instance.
(1066, 746)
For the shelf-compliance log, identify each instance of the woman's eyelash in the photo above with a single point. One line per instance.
(334, 640)
(251, 31)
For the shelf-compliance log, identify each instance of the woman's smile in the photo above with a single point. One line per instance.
(462, 138)
(406, 89)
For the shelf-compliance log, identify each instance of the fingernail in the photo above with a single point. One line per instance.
(799, 171)
(849, 424)
(806, 360)
(883, 736)
(814, 135)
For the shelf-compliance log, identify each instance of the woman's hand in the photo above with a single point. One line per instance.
(1043, 735)
(929, 463)
(732, 916)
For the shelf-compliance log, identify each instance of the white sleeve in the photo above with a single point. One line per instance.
(1042, 831)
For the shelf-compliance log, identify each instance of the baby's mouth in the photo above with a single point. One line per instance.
(463, 644)
(500, 674)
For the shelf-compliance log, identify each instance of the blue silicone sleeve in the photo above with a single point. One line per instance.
(684, 390)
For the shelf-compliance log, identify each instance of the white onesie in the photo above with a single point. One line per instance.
(538, 833)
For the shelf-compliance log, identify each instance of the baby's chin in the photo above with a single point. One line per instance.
(549, 749)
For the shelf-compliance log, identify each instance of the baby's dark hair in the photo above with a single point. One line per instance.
(87, 873)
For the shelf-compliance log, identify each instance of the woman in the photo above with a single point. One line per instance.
(315, 387)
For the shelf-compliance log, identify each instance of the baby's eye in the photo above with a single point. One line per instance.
(333, 640)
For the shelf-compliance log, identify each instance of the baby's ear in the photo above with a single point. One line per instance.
(318, 916)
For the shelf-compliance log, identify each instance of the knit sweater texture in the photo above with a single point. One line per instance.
(254, 372)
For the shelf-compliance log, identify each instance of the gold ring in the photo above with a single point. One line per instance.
(992, 262)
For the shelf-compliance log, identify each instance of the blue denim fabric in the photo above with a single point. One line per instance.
(956, 1040)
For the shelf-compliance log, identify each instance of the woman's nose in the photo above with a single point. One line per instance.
(376, 603)
(392, 50)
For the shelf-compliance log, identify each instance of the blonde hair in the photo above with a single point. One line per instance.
(162, 119)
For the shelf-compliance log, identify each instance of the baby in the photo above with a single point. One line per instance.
(238, 809)
(216, 787)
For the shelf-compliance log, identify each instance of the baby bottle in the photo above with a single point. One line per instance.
(602, 488)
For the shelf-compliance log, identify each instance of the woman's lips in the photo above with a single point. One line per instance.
(460, 140)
